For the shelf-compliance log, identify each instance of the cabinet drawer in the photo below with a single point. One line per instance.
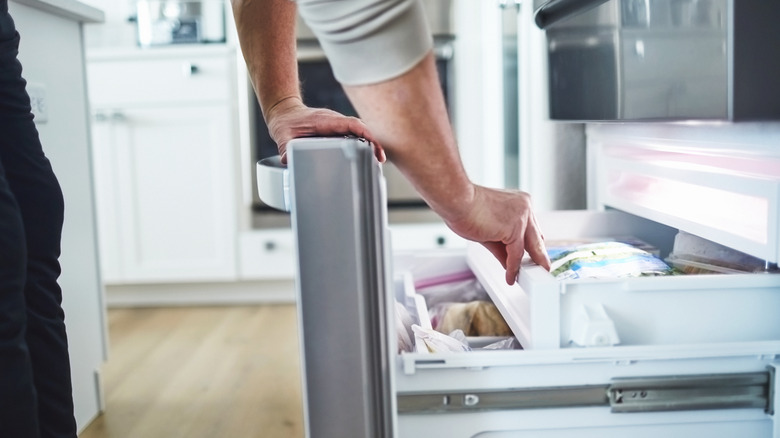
(409, 237)
(179, 79)
(267, 254)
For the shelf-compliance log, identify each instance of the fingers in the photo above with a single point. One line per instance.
(356, 127)
(301, 121)
(515, 251)
(534, 244)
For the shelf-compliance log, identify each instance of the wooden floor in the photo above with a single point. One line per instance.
(201, 372)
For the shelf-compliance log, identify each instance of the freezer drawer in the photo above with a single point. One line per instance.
(708, 382)
(546, 313)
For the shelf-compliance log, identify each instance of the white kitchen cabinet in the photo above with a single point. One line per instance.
(164, 141)
(267, 254)
(424, 236)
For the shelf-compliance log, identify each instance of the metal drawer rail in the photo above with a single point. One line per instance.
(648, 394)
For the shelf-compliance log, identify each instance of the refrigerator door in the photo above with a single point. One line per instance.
(337, 199)
(710, 383)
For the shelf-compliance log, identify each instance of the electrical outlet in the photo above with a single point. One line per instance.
(37, 92)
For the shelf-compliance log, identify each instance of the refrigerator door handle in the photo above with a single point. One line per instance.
(553, 11)
(273, 183)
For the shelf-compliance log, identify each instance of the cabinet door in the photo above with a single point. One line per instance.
(104, 165)
(168, 193)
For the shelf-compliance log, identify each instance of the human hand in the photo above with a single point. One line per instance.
(291, 119)
(503, 222)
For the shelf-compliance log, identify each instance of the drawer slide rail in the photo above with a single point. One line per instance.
(645, 394)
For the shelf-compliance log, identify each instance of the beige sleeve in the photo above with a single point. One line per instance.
(369, 41)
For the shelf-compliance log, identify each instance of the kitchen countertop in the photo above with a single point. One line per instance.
(71, 9)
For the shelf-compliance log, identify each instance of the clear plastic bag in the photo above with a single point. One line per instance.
(439, 342)
(403, 327)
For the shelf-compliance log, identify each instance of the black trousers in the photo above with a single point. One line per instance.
(35, 385)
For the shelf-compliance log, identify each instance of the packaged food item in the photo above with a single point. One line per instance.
(403, 327)
(463, 304)
(439, 342)
(474, 318)
(605, 259)
(695, 255)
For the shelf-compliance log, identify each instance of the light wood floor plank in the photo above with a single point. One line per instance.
(202, 372)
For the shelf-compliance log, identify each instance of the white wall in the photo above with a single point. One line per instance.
(478, 109)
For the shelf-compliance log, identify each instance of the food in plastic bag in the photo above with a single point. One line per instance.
(504, 344)
(403, 327)
(604, 260)
(454, 292)
(463, 304)
(475, 318)
(439, 342)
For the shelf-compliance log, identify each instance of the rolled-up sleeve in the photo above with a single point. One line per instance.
(369, 41)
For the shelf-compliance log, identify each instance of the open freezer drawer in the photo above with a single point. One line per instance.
(356, 383)
(547, 313)
(715, 379)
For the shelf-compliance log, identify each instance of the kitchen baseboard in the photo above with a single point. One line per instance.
(201, 294)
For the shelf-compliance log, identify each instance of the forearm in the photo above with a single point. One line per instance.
(266, 30)
(409, 117)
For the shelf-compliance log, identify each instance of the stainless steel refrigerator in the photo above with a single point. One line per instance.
(674, 356)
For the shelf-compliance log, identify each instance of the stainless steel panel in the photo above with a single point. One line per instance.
(666, 60)
(338, 216)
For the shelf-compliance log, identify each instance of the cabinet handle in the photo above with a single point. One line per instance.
(118, 116)
(189, 69)
(114, 116)
(270, 245)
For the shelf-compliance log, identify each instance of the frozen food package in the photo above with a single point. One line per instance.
(607, 259)
(474, 318)
(439, 342)
(403, 326)
(458, 291)
(463, 304)
(695, 255)
(510, 343)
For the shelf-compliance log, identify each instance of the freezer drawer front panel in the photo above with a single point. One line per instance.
(587, 423)
(336, 205)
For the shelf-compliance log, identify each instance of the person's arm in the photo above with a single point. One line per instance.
(408, 116)
(266, 31)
